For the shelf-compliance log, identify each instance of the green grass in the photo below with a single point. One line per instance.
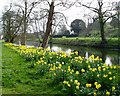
(19, 77)
(87, 41)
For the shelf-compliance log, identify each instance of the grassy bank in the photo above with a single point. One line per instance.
(39, 71)
(92, 42)
(19, 77)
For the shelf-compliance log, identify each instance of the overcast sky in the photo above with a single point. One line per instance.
(72, 13)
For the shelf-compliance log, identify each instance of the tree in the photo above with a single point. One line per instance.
(26, 11)
(38, 23)
(95, 24)
(49, 24)
(114, 22)
(51, 12)
(78, 26)
(104, 13)
(62, 29)
(67, 32)
(11, 25)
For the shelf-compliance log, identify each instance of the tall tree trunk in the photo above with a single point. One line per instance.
(102, 31)
(49, 25)
(23, 35)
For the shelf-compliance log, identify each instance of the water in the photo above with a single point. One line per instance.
(109, 56)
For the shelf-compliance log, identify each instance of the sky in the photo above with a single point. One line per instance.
(72, 13)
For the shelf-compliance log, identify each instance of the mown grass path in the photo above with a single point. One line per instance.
(19, 77)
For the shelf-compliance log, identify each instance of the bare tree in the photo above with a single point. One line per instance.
(38, 23)
(51, 13)
(103, 12)
(26, 11)
(11, 24)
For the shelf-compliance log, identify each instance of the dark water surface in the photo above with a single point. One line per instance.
(109, 56)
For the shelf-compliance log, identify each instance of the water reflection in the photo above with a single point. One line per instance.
(108, 61)
(86, 55)
(108, 56)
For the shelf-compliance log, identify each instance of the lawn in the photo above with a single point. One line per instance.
(18, 77)
(87, 41)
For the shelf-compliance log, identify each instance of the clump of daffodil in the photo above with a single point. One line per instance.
(76, 52)
(97, 58)
(94, 69)
(67, 83)
(98, 86)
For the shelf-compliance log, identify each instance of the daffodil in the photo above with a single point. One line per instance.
(77, 72)
(78, 83)
(95, 83)
(69, 85)
(114, 67)
(98, 75)
(54, 74)
(110, 78)
(105, 76)
(82, 70)
(114, 77)
(99, 68)
(71, 80)
(88, 85)
(95, 94)
(68, 67)
(94, 69)
(76, 53)
(77, 87)
(109, 72)
(75, 82)
(104, 69)
(113, 88)
(65, 82)
(107, 93)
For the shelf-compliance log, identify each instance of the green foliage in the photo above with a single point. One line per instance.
(78, 26)
(114, 22)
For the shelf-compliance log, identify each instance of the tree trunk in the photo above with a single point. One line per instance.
(102, 31)
(23, 35)
(49, 26)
